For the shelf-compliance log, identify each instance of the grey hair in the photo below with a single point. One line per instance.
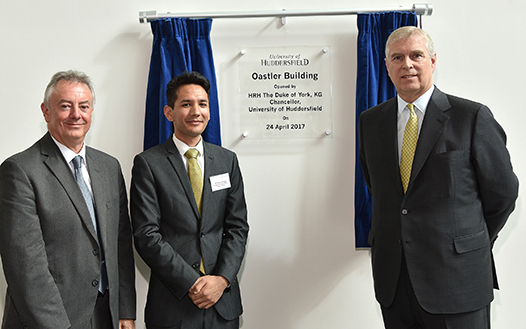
(406, 32)
(72, 76)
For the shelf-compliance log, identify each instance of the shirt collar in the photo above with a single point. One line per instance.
(420, 104)
(182, 147)
(68, 154)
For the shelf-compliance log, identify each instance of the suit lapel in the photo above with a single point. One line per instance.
(54, 160)
(387, 127)
(98, 186)
(174, 157)
(435, 120)
(207, 189)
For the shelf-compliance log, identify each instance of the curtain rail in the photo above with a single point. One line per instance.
(425, 9)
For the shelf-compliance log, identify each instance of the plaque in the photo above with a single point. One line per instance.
(285, 92)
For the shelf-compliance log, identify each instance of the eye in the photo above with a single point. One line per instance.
(418, 56)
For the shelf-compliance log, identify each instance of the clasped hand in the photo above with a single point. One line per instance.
(207, 290)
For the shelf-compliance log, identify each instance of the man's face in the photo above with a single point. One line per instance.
(410, 67)
(69, 113)
(189, 114)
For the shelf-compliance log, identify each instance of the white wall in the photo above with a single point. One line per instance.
(301, 269)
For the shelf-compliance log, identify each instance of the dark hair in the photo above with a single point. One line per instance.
(186, 78)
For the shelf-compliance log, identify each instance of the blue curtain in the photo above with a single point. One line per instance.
(373, 87)
(179, 44)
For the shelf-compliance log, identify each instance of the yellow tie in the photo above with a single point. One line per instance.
(196, 179)
(408, 147)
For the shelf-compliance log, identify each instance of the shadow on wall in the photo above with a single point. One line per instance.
(281, 286)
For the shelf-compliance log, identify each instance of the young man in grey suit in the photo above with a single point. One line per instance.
(193, 240)
(68, 259)
(433, 224)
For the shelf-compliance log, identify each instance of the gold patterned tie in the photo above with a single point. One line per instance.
(196, 179)
(408, 147)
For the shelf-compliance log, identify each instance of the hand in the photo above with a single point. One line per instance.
(207, 290)
(127, 324)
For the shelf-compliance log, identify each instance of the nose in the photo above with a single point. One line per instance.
(195, 110)
(408, 63)
(74, 112)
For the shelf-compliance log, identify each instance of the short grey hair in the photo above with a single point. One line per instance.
(72, 76)
(406, 32)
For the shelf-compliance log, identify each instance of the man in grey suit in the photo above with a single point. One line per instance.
(431, 238)
(68, 262)
(193, 241)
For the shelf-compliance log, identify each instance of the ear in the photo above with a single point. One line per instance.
(434, 61)
(45, 112)
(168, 113)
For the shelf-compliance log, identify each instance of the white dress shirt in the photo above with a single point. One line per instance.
(420, 106)
(183, 147)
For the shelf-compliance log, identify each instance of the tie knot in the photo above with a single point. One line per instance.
(191, 153)
(77, 162)
(411, 107)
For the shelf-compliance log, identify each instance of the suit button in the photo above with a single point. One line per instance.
(404, 211)
(96, 252)
(399, 242)
(195, 265)
(95, 283)
(202, 235)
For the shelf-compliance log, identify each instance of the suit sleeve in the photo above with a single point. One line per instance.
(498, 185)
(127, 292)
(30, 284)
(235, 227)
(177, 275)
(361, 150)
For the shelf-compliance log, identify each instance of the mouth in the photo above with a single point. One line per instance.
(409, 76)
(194, 122)
(74, 125)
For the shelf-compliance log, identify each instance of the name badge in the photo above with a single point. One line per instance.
(220, 182)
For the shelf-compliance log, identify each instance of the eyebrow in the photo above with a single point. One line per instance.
(63, 100)
(191, 100)
(416, 51)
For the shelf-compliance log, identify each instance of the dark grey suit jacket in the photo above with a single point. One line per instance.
(50, 251)
(171, 238)
(461, 192)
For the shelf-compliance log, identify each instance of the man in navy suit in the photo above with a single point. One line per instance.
(193, 244)
(432, 244)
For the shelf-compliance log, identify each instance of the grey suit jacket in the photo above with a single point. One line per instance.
(461, 192)
(172, 238)
(50, 251)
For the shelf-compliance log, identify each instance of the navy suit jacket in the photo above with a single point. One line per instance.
(50, 251)
(461, 192)
(172, 238)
